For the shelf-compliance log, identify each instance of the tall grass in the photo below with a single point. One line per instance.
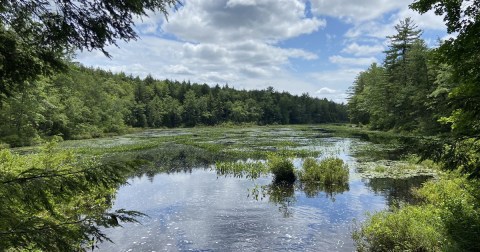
(329, 171)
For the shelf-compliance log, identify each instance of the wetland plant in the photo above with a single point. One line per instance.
(447, 218)
(282, 168)
(330, 171)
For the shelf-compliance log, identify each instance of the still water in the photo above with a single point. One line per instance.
(201, 211)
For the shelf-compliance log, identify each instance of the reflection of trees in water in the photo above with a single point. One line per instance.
(396, 190)
(170, 158)
(312, 189)
(283, 194)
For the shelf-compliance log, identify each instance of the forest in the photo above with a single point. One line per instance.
(85, 103)
(55, 199)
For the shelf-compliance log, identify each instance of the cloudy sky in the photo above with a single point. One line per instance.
(299, 46)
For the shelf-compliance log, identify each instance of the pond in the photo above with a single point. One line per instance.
(196, 209)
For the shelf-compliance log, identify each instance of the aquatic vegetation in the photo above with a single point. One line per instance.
(407, 229)
(282, 168)
(447, 219)
(397, 169)
(240, 169)
(329, 171)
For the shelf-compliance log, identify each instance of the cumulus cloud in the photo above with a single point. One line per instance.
(363, 50)
(258, 43)
(210, 63)
(346, 61)
(374, 19)
(335, 83)
(224, 21)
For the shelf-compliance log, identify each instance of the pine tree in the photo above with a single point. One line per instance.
(400, 43)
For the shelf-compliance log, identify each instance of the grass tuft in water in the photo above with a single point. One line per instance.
(240, 169)
(330, 171)
(282, 168)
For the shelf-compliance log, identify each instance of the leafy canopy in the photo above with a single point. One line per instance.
(36, 34)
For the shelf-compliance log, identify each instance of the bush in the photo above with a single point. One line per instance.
(448, 219)
(410, 228)
(282, 168)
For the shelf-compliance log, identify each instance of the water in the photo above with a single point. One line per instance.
(198, 211)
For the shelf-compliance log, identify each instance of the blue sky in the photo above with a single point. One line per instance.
(299, 46)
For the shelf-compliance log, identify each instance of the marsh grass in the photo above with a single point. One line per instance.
(329, 171)
(241, 169)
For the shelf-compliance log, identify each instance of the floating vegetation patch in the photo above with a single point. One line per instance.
(411, 167)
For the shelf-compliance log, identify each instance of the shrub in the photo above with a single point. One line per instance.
(407, 229)
(448, 219)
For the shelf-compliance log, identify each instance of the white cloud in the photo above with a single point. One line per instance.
(345, 61)
(326, 90)
(233, 3)
(338, 80)
(363, 50)
(222, 21)
(243, 43)
(374, 18)
(210, 63)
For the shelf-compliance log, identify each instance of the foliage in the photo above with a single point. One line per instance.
(429, 91)
(462, 54)
(461, 154)
(329, 171)
(85, 103)
(447, 219)
(36, 35)
(393, 96)
(282, 168)
(407, 229)
(54, 201)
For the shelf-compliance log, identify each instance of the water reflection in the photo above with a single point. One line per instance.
(312, 189)
(396, 191)
(195, 209)
(281, 194)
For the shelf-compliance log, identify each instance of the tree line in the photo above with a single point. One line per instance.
(82, 102)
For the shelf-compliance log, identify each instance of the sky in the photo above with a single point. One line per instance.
(299, 46)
